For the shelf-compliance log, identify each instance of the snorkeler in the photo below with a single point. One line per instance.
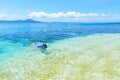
(39, 46)
(44, 46)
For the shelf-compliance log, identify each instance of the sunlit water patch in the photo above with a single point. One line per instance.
(94, 57)
(9, 49)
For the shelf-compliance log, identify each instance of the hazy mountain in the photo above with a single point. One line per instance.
(20, 21)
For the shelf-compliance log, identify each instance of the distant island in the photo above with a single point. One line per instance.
(34, 21)
(20, 21)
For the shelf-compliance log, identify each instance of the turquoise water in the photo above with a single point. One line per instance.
(71, 46)
(17, 36)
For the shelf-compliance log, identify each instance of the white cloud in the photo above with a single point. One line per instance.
(2, 16)
(108, 14)
(43, 14)
(70, 16)
(64, 15)
(8, 16)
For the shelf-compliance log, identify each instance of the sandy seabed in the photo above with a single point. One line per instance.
(94, 57)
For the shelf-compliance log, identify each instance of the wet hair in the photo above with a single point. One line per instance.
(44, 46)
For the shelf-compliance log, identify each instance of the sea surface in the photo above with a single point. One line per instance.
(76, 51)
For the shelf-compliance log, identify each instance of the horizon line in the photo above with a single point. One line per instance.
(32, 20)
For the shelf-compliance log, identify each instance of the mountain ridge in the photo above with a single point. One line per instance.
(20, 21)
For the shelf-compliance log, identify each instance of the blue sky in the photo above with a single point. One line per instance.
(61, 10)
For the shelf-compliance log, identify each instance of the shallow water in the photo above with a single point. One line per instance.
(88, 54)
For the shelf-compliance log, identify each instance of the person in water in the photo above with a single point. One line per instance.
(44, 46)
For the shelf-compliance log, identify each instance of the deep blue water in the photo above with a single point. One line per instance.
(49, 32)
